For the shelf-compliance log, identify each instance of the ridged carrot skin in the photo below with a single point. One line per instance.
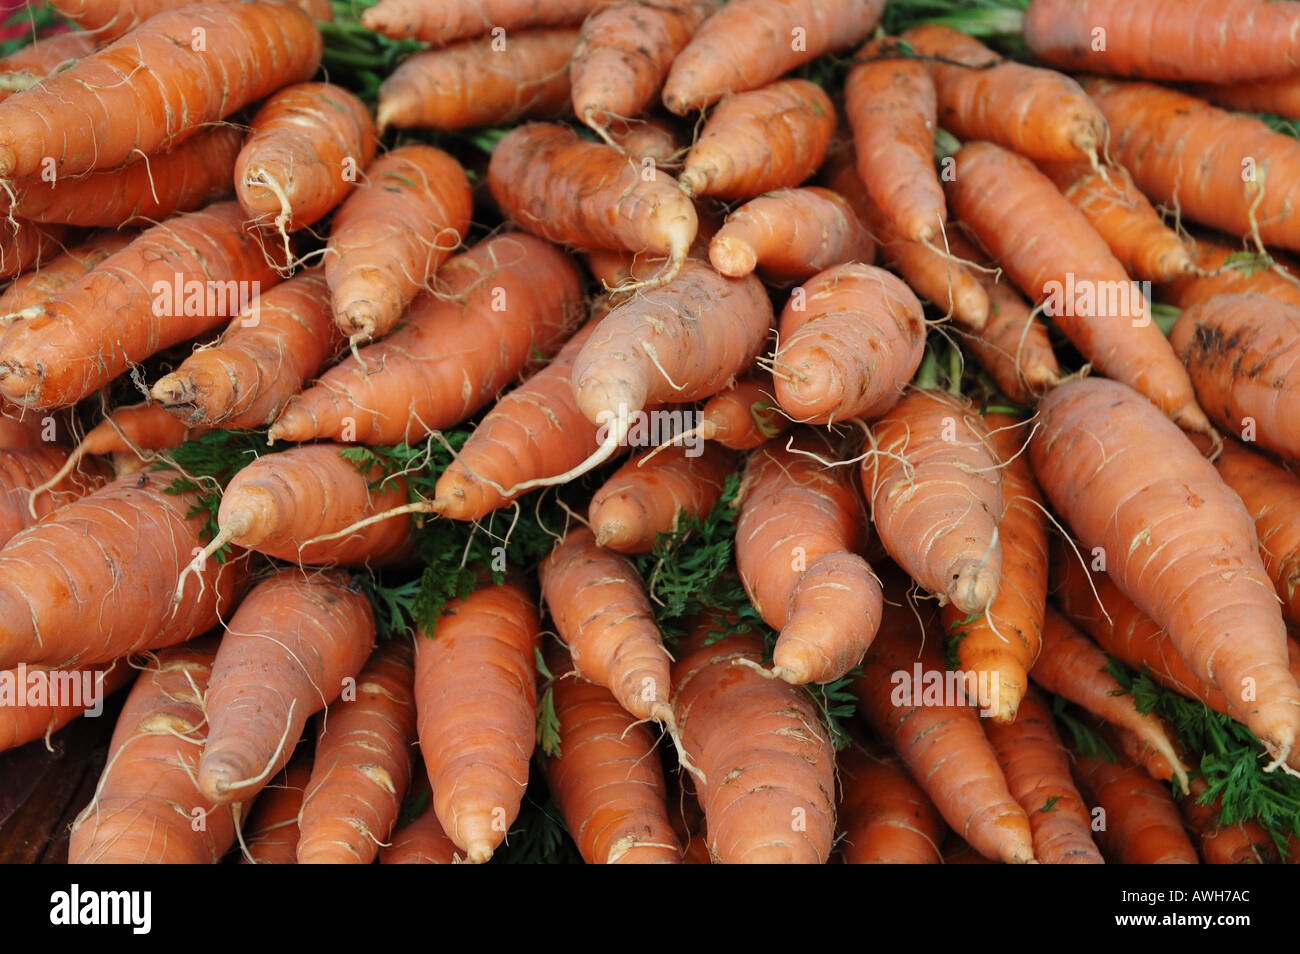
(20, 724)
(647, 497)
(24, 468)
(1037, 770)
(147, 808)
(648, 139)
(1142, 826)
(461, 19)
(271, 833)
(884, 816)
(57, 274)
(45, 55)
(422, 842)
(759, 141)
(1279, 281)
(109, 19)
(25, 245)
(476, 699)
(769, 794)
(363, 764)
(744, 415)
(1279, 95)
(799, 536)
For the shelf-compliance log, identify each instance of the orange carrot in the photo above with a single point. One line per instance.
(22, 470)
(25, 245)
(935, 488)
(480, 83)
(1195, 570)
(791, 234)
(1037, 770)
(18, 429)
(769, 794)
(647, 139)
(750, 43)
(363, 764)
(1221, 277)
(1244, 843)
(884, 815)
(26, 716)
(110, 19)
(59, 273)
(825, 329)
(1138, 822)
(271, 835)
(744, 415)
(755, 142)
(460, 19)
(649, 495)
(422, 842)
(507, 300)
(1056, 258)
(392, 234)
(147, 809)
(1279, 95)
(476, 698)
(160, 76)
(25, 67)
(286, 654)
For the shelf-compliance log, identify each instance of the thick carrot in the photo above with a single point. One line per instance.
(1138, 822)
(1219, 276)
(25, 245)
(1037, 770)
(799, 533)
(1242, 353)
(939, 739)
(22, 469)
(422, 842)
(890, 102)
(1122, 216)
(1217, 41)
(1194, 569)
(161, 76)
(118, 550)
(476, 698)
(26, 67)
(271, 835)
(1004, 642)
(110, 19)
(480, 83)
(57, 274)
(147, 808)
(363, 763)
(744, 415)
(750, 43)
(287, 652)
(506, 301)
(305, 148)
(1057, 259)
(587, 195)
(391, 235)
(769, 794)
(1242, 185)
(27, 717)
(174, 282)
(459, 19)
(649, 495)
(850, 339)
(1279, 95)
(884, 816)
(935, 487)
(624, 54)
(1244, 843)
(759, 141)
(1037, 112)
(607, 779)
(791, 234)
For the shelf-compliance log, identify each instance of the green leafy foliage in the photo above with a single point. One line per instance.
(548, 723)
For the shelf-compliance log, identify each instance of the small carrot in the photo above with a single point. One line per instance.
(422, 842)
(1139, 823)
(1223, 270)
(744, 415)
(884, 816)
(21, 470)
(460, 19)
(271, 836)
(87, 689)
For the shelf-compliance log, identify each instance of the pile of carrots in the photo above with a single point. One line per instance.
(339, 345)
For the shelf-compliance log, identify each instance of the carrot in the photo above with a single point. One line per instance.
(750, 43)
(1227, 271)
(1056, 258)
(755, 142)
(586, 195)
(1138, 823)
(27, 66)
(624, 54)
(21, 470)
(250, 49)
(650, 495)
(289, 648)
(26, 716)
(18, 430)
(826, 329)
(1004, 642)
(422, 842)
(1244, 843)
(607, 779)
(1037, 112)
(363, 764)
(1279, 95)
(117, 549)
(935, 487)
(769, 797)
(791, 234)
(25, 245)
(461, 19)
(476, 695)
(182, 179)
(1218, 41)
(1124, 218)
(271, 836)
(940, 741)
(147, 808)
(508, 300)
(173, 282)
(743, 415)
(1241, 186)
(647, 139)
(1194, 569)
(60, 272)
(110, 19)
(304, 149)
(799, 533)
(1037, 770)
(263, 358)
(1241, 351)
(891, 104)
(392, 234)
(884, 815)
